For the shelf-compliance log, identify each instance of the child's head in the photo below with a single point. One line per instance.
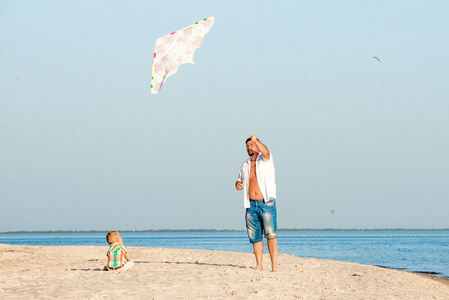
(113, 237)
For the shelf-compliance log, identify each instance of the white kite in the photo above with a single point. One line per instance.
(175, 49)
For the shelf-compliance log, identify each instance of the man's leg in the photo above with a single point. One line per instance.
(273, 249)
(254, 229)
(258, 252)
(269, 218)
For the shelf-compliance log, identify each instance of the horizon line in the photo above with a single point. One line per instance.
(220, 230)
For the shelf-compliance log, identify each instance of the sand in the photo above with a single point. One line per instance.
(74, 272)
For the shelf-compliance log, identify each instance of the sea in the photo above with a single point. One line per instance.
(423, 251)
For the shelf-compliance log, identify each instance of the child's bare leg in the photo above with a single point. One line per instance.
(127, 266)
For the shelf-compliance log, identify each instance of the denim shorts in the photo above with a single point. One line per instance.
(261, 220)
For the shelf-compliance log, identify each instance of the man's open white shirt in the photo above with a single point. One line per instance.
(265, 174)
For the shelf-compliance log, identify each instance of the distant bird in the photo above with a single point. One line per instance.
(376, 58)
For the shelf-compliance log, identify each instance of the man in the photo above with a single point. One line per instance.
(257, 180)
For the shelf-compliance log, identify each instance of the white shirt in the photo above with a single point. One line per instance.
(265, 175)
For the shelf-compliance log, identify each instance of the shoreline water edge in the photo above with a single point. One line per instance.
(423, 251)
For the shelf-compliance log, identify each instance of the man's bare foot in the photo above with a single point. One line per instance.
(274, 268)
(259, 268)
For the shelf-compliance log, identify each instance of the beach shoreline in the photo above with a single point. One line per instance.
(432, 277)
(74, 272)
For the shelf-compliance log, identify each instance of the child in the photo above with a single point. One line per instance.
(118, 257)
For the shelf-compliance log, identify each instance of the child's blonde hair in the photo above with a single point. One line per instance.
(112, 236)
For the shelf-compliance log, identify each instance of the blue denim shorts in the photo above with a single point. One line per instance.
(261, 220)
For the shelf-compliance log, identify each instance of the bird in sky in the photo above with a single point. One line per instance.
(376, 58)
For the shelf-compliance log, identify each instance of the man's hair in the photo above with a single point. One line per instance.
(110, 236)
(249, 139)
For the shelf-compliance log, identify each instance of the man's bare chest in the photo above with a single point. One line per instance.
(252, 170)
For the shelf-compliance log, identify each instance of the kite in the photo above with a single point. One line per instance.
(175, 49)
(376, 58)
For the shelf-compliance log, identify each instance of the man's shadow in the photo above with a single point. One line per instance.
(168, 262)
(189, 263)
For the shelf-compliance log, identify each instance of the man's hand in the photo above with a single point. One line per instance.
(239, 185)
(262, 148)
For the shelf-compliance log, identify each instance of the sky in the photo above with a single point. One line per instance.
(357, 143)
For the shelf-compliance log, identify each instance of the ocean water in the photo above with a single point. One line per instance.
(416, 251)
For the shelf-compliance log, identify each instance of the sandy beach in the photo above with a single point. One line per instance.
(75, 272)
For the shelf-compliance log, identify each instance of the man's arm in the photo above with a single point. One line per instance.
(239, 182)
(239, 185)
(263, 149)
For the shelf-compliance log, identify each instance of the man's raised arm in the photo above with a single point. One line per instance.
(263, 149)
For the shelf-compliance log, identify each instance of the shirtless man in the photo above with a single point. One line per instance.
(257, 180)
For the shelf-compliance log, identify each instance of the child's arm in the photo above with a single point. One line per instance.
(125, 253)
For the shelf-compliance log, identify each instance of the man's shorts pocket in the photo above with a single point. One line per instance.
(271, 202)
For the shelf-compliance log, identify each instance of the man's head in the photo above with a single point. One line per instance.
(113, 237)
(252, 148)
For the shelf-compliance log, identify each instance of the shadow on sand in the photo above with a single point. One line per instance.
(189, 263)
(168, 262)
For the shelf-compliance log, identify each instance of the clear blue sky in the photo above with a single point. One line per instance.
(84, 145)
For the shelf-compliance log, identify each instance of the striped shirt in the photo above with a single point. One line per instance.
(116, 255)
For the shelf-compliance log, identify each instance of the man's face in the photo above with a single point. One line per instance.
(251, 148)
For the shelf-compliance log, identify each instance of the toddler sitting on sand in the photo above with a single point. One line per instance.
(118, 256)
